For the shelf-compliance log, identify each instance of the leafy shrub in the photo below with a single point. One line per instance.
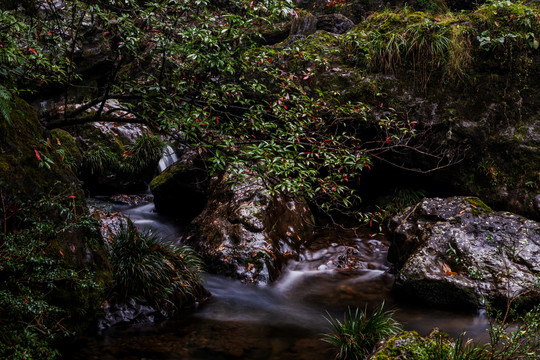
(516, 339)
(147, 268)
(356, 336)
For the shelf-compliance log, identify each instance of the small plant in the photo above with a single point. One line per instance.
(440, 347)
(356, 336)
(146, 268)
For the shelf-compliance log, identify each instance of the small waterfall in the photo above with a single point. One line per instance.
(168, 158)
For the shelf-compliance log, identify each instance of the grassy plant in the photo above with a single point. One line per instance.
(356, 336)
(516, 339)
(98, 159)
(393, 41)
(148, 269)
(440, 347)
(143, 154)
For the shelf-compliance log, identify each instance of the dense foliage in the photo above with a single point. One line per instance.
(195, 70)
(36, 280)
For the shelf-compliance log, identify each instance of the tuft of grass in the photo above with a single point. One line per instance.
(98, 159)
(147, 268)
(356, 336)
(143, 154)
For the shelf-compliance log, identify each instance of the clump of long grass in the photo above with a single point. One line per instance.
(99, 158)
(358, 333)
(147, 268)
(143, 154)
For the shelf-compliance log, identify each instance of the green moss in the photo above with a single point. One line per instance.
(167, 176)
(63, 141)
(398, 346)
(478, 205)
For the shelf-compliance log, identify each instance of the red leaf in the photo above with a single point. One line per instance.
(37, 154)
(32, 50)
(388, 140)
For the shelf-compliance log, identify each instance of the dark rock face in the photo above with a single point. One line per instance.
(247, 233)
(180, 190)
(453, 252)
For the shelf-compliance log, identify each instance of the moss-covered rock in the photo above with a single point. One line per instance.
(180, 190)
(408, 345)
(67, 148)
(105, 149)
(43, 209)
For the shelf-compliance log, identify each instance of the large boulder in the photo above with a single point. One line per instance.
(246, 232)
(455, 252)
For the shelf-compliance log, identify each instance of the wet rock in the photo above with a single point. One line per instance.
(129, 314)
(111, 223)
(536, 203)
(247, 233)
(455, 252)
(130, 199)
(180, 190)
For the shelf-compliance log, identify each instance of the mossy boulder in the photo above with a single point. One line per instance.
(180, 190)
(456, 252)
(39, 191)
(67, 150)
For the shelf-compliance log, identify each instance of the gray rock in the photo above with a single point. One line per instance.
(456, 252)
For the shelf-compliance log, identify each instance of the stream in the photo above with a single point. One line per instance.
(284, 320)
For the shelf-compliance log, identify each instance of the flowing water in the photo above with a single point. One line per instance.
(283, 320)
